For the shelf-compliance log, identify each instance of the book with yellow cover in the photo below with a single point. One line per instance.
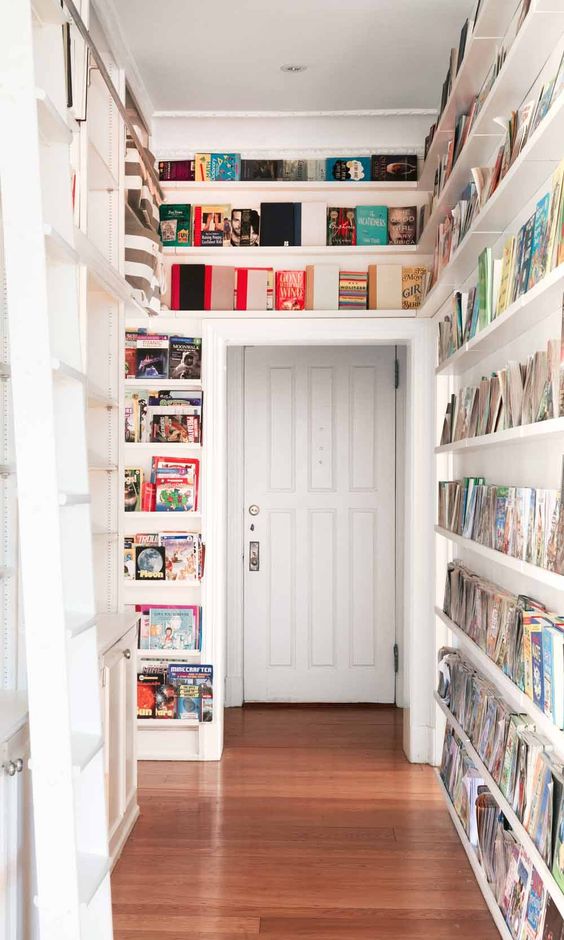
(411, 287)
(506, 275)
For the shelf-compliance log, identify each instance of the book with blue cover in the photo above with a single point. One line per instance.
(539, 247)
(348, 169)
(225, 166)
(371, 225)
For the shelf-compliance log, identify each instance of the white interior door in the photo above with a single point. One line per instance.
(319, 617)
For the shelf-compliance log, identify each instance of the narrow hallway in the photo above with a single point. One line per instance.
(313, 825)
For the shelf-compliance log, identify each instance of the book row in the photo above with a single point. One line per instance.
(515, 520)
(164, 556)
(527, 257)
(170, 627)
(283, 224)
(518, 758)
(464, 122)
(521, 125)
(175, 691)
(173, 486)
(226, 167)
(318, 287)
(163, 416)
(523, 638)
(518, 889)
(155, 356)
(521, 393)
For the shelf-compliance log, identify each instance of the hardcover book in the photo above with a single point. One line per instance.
(173, 628)
(147, 686)
(290, 290)
(202, 167)
(353, 290)
(212, 226)
(219, 286)
(245, 228)
(176, 170)
(402, 225)
(187, 286)
(149, 563)
(254, 288)
(225, 167)
(314, 222)
(389, 287)
(261, 169)
(152, 357)
(371, 225)
(341, 226)
(348, 169)
(412, 287)
(394, 168)
(175, 225)
(185, 358)
(278, 223)
(322, 287)
(294, 170)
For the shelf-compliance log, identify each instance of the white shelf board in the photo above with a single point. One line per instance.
(167, 724)
(158, 521)
(103, 274)
(540, 430)
(261, 250)
(58, 249)
(163, 383)
(479, 873)
(104, 534)
(53, 127)
(151, 586)
(164, 450)
(506, 687)
(285, 186)
(97, 398)
(77, 623)
(63, 370)
(527, 311)
(514, 821)
(176, 315)
(96, 465)
(6, 470)
(100, 175)
(111, 627)
(541, 575)
(459, 268)
(84, 748)
(171, 655)
(49, 12)
(74, 499)
(494, 17)
(13, 713)
(92, 869)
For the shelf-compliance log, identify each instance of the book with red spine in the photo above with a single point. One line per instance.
(175, 287)
(148, 497)
(290, 290)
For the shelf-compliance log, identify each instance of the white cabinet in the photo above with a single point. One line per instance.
(18, 918)
(118, 685)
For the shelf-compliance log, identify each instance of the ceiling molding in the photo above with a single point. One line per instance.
(377, 112)
(109, 21)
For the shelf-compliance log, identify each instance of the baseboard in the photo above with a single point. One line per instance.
(124, 831)
(233, 691)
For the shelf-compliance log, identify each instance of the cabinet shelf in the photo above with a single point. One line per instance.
(103, 275)
(168, 724)
(49, 12)
(507, 688)
(84, 749)
(540, 430)
(165, 450)
(58, 249)
(100, 175)
(187, 384)
(130, 584)
(53, 127)
(77, 623)
(267, 250)
(13, 713)
(92, 869)
(169, 654)
(526, 312)
(541, 575)
(514, 821)
(479, 873)
(284, 186)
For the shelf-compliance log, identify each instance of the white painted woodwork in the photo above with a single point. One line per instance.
(18, 917)
(320, 464)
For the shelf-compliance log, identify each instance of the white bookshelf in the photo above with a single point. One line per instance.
(329, 251)
(175, 189)
(530, 433)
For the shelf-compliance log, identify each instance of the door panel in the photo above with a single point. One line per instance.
(320, 464)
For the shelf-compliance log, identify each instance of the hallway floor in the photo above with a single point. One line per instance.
(313, 825)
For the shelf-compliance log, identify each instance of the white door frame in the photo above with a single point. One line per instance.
(417, 664)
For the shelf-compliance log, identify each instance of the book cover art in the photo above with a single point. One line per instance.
(245, 228)
(181, 556)
(202, 167)
(133, 480)
(152, 357)
(175, 492)
(185, 358)
(290, 290)
(131, 354)
(128, 559)
(539, 246)
(175, 225)
(149, 563)
(225, 166)
(294, 170)
(393, 168)
(353, 290)
(165, 701)
(524, 270)
(558, 856)
(412, 279)
(176, 170)
(371, 225)
(189, 705)
(341, 226)
(348, 169)
(175, 429)
(515, 912)
(147, 686)
(173, 628)
(402, 225)
(212, 226)
(261, 169)
(534, 916)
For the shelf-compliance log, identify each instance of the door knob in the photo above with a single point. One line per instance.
(10, 768)
(127, 654)
(19, 765)
(254, 509)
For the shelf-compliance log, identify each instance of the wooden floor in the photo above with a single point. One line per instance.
(312, 826)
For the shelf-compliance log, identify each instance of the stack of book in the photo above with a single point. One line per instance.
(318, 287)
(175, 691)
(516, 632)
(159, 356)
(229, 167)
(173, 486)
(163, 416)
(165, 556)
(170, 627)
(517, 757)
(280, 224)
(519, 394)
(515, 520)
(527, 907)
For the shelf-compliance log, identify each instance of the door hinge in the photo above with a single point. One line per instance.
(396, 657)
(396, 373)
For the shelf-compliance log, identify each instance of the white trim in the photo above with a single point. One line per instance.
(373, 112)
(419, 563)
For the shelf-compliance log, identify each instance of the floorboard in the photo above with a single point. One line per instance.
(314, 825)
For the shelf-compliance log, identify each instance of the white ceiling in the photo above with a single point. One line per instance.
(226, 54)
